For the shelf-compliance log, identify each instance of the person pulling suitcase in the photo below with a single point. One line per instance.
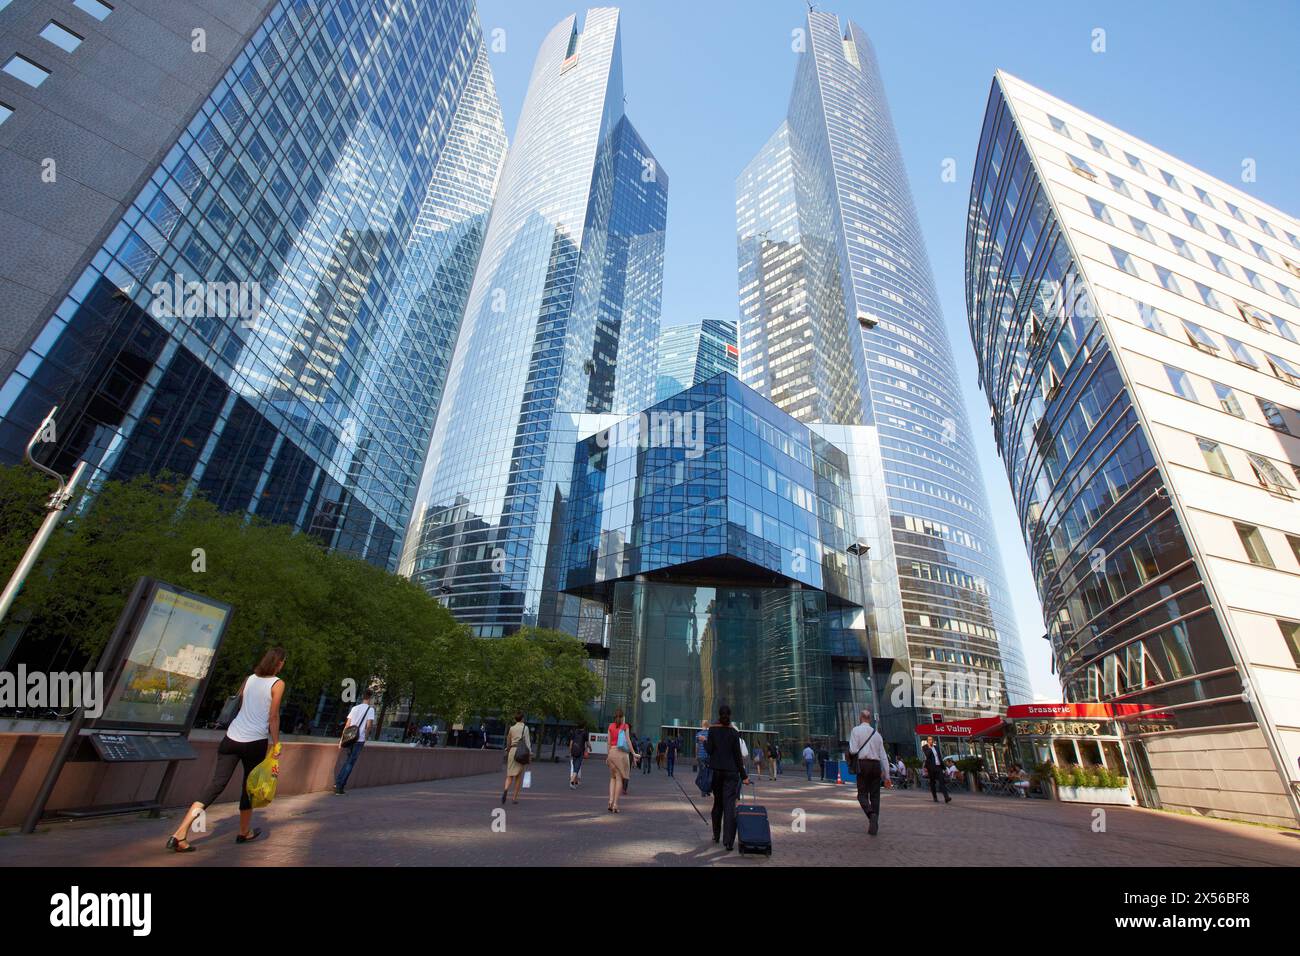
(728, 767)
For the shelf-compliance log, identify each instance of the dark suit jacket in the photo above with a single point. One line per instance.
(723, 748)
(932, 758)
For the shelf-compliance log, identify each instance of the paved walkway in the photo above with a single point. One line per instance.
(449, 823)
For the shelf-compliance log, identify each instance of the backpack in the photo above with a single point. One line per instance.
(578, 744)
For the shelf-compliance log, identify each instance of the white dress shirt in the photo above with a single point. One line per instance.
(875, 750)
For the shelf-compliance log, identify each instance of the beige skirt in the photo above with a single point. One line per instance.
(618, 761)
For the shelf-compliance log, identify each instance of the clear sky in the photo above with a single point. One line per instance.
(707, 83)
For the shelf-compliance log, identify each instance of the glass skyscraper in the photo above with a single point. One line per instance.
(840, 325)
(690, 354)
(271, 317)
(1136, 323)
(562, 318)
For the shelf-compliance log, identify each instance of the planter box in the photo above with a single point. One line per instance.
(1116, 796)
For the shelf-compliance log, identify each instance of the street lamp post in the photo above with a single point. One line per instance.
(859, 549)
(53, 512)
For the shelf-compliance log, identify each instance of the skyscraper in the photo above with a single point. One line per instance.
(1136, 323)
(840, 325)
(562, 318)
(690, 354)
(269, 314)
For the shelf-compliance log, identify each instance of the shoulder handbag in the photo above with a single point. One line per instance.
(229, 711)
(623, 743)
(854, 757)
(522, 753)
(352, 732)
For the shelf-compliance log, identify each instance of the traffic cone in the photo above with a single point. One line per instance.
(839, 776)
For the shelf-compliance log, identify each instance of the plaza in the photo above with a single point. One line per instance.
(663, 823)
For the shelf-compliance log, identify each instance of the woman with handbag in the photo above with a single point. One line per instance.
(254, 731)
(519, 753)
(619, 760)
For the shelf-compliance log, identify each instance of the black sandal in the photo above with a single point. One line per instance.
(248, 839)
(174, 845)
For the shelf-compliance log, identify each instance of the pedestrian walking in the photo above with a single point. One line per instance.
(773, 761)
(808, 758)
(619, 759)
(703, 777)
(519, 754)
(868, 760)
(361, 722)
(254, 731)
(934, 770)
(728, 766)
(758, 759)
(671, 758)
(661, 751)
(647, 755)
(579, 749)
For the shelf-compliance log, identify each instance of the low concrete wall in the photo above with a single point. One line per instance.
(306, 764)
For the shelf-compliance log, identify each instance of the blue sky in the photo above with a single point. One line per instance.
(708, 82)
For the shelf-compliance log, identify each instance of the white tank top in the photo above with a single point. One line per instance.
(253, 720)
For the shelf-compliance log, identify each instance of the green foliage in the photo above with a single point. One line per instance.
(1076, 776)
(912, 763)
(970, 764)
(336, 616)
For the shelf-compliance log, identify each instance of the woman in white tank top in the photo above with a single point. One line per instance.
(253, 733)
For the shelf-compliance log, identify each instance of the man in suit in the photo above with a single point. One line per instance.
(934, 768)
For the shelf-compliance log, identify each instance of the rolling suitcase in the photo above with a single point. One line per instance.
(753, 835)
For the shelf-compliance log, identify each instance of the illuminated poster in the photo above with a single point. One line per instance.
(168, 661)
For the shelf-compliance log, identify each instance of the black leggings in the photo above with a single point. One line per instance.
(231, 754)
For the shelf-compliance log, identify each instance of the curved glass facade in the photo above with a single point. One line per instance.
(562, 318)
(833, 265)
(338, 177)
(1131, 613)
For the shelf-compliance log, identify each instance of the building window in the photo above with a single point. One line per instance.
(33, 74)
(1200, 338)
(1149, 317)
(1135, 162)
(1269, 475)
(1118, 185)
(1124, 261)
(61, 36)
(1181, 382)
(1254, 279)
(1059, 125)
(1203, 196)
(1142, 229)
(1291, 634)
(1283, 328)
(1170, 181)
(1236, 213)
(96, 8)
(1220, 264)
(1157, 203)
(1097, 144)
(1228, 400)
(1099, 211)
(1260, 251)
(1294, 541)
(1194, 220)
(1253, 542)
(1283, 369)
(1208, 296)
(1082, 168)
(1273, 415)
(1182, 247)
(1251, 315)
(1168, 280)
(1228, 237)
(1240, 352)
(1214, 459)
(5, 112)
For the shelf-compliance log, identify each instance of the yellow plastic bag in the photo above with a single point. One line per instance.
(262, 779)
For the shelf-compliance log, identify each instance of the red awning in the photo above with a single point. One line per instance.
(976, 727)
